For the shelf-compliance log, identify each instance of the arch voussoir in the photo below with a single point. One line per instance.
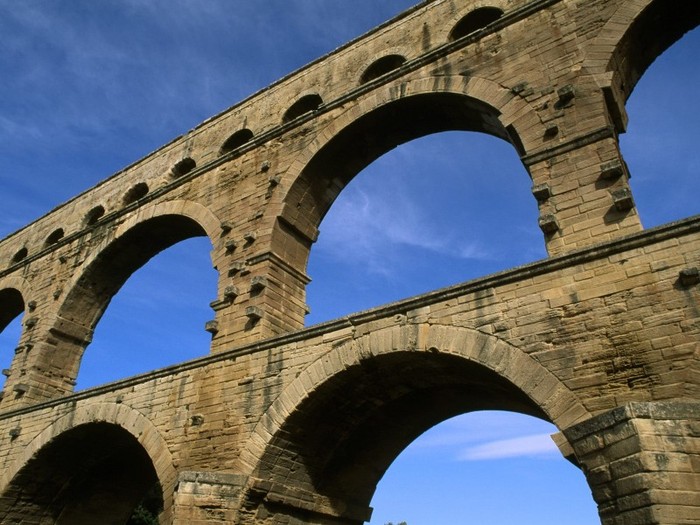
(543, 388)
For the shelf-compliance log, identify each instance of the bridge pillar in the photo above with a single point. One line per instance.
(213, 498)
(589, 199)
(642, 462)
(207, 498)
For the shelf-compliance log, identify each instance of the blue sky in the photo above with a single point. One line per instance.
(87, 87)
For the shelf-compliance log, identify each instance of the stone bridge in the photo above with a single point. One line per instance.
(276, 425)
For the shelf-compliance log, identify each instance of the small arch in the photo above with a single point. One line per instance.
(236, 140)
(381, 67)
(136, 192)
(183, 167)
(94, 215)
(21, 254)
(475, 20)
(54, 237)
(305, 104)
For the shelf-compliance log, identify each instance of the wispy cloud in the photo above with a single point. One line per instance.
(490, 435)
(375, 228)
(536, 445)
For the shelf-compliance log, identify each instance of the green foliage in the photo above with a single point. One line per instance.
(391, 523)
(142, 516)
(146, 512)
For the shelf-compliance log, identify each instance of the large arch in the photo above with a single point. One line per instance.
(92, 465)
(393, 115)
(636, 35)
(327, 439)
(14, 292)
(136, 241)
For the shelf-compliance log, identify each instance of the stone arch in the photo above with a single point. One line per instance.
(636, 34)
(236, 140)
(361, 134)
(305, 104)
(444, 30)
(125, 420)
(12, 306)
(476, 19)
(143, 235)
(402, 379)
(382, 66)
(14, 292)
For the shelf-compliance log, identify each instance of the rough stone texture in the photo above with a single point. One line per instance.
(276, 425)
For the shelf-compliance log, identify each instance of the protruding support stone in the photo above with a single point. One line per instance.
(565, 94)
(253, 313)
(258, 283)
(542, 192)
(689, 276)
(234, 268)
(622, 199)
(20, 389)
(548, 224)
(611, 170)
(212, 327)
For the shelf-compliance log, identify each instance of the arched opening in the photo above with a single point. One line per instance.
(93, 473)
(11, 309)
(157, 318)
(235, 141)
(442, 208)
(136, 192)
(338, 443)
(94, 215)
(491, 467)
(54, 237)
(86, 302)
(21, 254)
(656, 28)
(660, 146)
(434, 212)
(305, 104)
(183, 167)
(381, 67)
(475, 20)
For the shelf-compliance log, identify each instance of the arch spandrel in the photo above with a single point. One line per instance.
(503, 375)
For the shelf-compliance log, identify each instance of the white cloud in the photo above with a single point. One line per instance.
(374, 229)
(489, 435)
(536, 445)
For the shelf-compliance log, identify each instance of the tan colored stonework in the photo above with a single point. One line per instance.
(271, 427)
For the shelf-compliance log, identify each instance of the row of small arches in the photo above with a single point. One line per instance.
(472, 22)
(93, 216)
